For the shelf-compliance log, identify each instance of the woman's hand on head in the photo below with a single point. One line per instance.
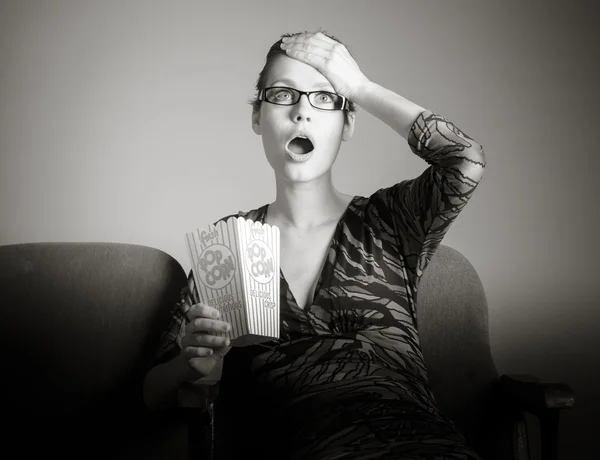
(200, 346)
(329, 57)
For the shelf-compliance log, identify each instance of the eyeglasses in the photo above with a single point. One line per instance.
(323, 100)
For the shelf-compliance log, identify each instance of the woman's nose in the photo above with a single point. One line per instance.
(302, 109)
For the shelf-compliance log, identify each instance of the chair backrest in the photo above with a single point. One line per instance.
(79, 322)
(452, 314)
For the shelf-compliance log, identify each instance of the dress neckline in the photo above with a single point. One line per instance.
(325, 268)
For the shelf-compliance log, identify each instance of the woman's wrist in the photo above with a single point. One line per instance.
(364, 92)
(394, 110)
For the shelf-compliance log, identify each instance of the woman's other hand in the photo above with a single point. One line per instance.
(329, 57)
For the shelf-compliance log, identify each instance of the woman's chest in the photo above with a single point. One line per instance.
(303, 257)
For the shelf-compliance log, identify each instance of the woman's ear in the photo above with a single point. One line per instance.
(256, 122)
(349, 126)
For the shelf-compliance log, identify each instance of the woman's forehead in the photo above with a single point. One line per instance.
(291, 72)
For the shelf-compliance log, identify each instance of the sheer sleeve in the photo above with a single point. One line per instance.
(423, 208)
(170, 342)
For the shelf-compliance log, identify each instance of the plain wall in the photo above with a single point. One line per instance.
(128, 121)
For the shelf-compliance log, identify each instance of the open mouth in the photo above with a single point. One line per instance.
(300, 146)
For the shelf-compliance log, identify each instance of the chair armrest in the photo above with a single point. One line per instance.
(526, 393)
(533, 395)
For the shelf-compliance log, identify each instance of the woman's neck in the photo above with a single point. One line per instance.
(307, 205)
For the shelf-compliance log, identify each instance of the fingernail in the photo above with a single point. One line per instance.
(227, 342)
(215, 314)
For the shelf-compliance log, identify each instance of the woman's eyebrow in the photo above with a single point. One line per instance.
(292, 84)
(324, 85)
(284, 81)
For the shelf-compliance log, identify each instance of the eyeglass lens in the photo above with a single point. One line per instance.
(290, 96)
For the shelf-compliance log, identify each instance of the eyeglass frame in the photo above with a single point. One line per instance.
(262, 97)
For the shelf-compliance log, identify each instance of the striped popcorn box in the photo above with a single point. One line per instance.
(235, 265)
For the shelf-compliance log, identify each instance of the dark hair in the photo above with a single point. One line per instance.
(275, 51)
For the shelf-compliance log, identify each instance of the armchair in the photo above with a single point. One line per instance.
(487, 408)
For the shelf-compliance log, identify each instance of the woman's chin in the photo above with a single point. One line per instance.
(294, 173)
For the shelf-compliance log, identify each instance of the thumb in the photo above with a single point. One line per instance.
(219, 353)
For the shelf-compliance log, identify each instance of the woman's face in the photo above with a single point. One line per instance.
(278, 125)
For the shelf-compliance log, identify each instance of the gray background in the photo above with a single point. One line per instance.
(128, 121)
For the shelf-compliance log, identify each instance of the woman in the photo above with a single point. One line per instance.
(347, 377)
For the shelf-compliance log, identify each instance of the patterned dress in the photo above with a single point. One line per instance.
(347, 378)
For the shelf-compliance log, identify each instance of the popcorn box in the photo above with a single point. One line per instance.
(236, 266)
